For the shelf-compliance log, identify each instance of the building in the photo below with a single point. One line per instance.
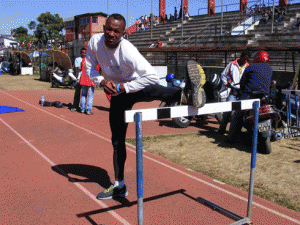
(6, 42)
(83, 27)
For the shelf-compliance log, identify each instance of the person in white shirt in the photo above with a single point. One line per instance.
(129, 78)
(231, 77)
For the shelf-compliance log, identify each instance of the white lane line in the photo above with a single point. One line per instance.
(133, 150)
(115, 215)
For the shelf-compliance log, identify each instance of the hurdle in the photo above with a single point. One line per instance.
(138, 116)
(292, 98)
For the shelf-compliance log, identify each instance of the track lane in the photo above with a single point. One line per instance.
(171, 192)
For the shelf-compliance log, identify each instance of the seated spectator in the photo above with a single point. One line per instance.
(186, 16)
(264, 18)
(157, 44)
(250, 11)
(58, 70)
(256, 10)
(297, 23)
(281, 14)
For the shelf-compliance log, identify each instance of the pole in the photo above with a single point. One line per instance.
(272, 29)
(139, 164)
(181, 18)
(107, 7)
(253, 158)
(222, 18)
(151, 16)
(127, 20)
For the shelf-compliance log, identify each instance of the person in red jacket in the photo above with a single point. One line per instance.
(88, 88)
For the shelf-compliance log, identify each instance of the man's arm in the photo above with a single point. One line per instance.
(145, 73)
(235, 81)
(224, 74)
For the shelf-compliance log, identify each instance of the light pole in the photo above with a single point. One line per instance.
(272, 30)
(151, 16)
(181, 18)
(222, 18)
(107, 7)
(127, 20)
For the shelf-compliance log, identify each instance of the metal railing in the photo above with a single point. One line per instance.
(236, 6)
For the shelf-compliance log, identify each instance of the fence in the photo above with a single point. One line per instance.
(283, 60)
(236, 6)
(292, 113)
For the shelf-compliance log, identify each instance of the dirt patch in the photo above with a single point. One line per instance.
(277, 175)
(26, 82)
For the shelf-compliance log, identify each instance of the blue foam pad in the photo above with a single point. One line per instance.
(9, 109)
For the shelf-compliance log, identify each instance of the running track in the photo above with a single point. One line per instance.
(54, 162)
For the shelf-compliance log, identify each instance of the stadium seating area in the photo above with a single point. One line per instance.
(206, 30)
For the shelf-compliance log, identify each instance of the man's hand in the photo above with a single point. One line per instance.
(109, 87)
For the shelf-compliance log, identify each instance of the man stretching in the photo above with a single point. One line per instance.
(130, 78)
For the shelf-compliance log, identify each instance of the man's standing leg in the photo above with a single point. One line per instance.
(119, 104)
(76, 100)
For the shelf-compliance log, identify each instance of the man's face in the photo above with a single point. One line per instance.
(244, 59)
(113, 31)
(83, 53)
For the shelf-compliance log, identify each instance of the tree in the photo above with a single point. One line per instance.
(19, 31)
(32, 25)
(49, 27)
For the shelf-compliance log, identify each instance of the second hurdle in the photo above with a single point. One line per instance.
(138, 116)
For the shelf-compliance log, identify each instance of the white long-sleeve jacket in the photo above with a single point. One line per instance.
(123, 64)
(231, 74)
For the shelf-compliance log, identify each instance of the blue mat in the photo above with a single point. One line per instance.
(9, 109)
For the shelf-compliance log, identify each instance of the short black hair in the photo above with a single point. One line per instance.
(117, 16)
(82, 49)
(245, 53)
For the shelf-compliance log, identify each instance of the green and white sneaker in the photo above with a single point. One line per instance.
(197, 79)
(113, 192)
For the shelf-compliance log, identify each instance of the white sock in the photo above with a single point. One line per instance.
(119, 184)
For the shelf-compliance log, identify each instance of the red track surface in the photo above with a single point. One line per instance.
(54, 162)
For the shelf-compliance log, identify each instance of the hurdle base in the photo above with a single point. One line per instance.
(239, 220)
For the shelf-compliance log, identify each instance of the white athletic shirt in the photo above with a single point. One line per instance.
(123, 64)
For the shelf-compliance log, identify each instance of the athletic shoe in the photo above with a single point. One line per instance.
(73, 110)
(197, 79)
(113, 192)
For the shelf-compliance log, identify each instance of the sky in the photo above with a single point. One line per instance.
(16, 13)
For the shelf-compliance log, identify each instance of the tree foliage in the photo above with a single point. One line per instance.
(49, 27)
(32, 25)
(19, 31)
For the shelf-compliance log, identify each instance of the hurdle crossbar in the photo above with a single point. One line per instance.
(140, 115)
(179, 111)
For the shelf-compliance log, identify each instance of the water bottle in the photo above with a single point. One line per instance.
(42, 100)
(176, 83)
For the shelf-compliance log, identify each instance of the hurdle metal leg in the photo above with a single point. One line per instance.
(139, 164)
(253, 158)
